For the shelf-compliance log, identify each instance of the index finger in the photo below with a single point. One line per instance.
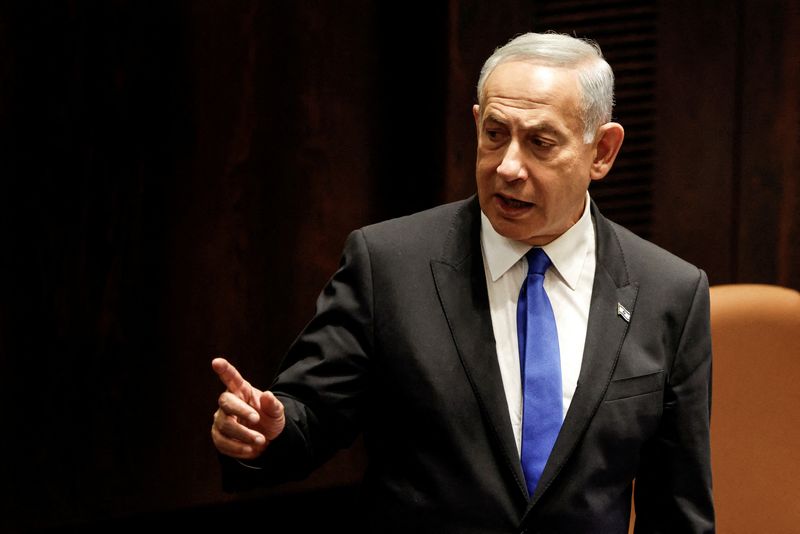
(228, 374)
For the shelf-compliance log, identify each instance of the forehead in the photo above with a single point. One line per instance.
(524, 85)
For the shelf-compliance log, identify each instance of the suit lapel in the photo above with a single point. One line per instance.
(461, 285)
(605, 333)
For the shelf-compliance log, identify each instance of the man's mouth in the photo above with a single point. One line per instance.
(513, 203)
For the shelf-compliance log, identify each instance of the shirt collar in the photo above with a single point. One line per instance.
(567, 252)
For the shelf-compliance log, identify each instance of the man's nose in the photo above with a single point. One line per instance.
(512, 167)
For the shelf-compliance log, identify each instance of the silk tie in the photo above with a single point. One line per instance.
(540, 362)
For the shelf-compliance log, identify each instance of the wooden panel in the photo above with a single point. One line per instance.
(695, 133)
(726, 181)
(769, 145)
(406, 148)
(180, 186)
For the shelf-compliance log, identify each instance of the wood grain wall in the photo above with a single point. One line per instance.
(728, 151)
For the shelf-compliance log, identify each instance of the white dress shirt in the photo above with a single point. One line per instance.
(568, 284)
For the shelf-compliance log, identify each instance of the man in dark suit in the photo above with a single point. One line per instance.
(415, 341)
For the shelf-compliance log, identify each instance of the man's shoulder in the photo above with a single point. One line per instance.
(647, 260)
(441, 214)
(431, 227)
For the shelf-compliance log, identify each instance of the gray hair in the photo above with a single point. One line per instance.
(595, 76)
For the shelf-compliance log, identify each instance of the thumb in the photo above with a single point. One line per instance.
(270, 405)
(273, 420)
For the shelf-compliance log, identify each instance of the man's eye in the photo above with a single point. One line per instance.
(542, 143)
(494, 135)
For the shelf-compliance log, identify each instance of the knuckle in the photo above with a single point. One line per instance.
(227, 403)
(226, 425)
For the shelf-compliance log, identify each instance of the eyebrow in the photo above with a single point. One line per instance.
(538, 126)
(494, 118)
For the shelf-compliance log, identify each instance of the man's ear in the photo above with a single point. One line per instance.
(606, 147)
(476, 113)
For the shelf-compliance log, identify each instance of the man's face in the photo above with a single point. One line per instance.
(533, 168)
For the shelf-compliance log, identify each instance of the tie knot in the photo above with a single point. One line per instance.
(538, 261)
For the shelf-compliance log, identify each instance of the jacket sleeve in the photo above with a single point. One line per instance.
(673, 486)
(323, 382)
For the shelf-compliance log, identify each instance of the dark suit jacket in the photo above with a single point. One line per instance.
(401, 348)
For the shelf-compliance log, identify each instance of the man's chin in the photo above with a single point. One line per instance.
(527, 232)
(513, 229)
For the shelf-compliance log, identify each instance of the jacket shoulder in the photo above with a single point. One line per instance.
(426, 231)
(646, 261)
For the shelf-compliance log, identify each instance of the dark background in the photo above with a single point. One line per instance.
(178, 179)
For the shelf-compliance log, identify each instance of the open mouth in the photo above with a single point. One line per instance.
(513, 203)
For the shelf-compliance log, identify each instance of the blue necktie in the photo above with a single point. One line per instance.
(540, 361)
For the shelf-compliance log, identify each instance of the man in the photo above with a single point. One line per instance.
(416, 340)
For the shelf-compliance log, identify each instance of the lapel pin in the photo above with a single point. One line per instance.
(623, 312)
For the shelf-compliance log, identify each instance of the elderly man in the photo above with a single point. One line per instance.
(514, 360)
